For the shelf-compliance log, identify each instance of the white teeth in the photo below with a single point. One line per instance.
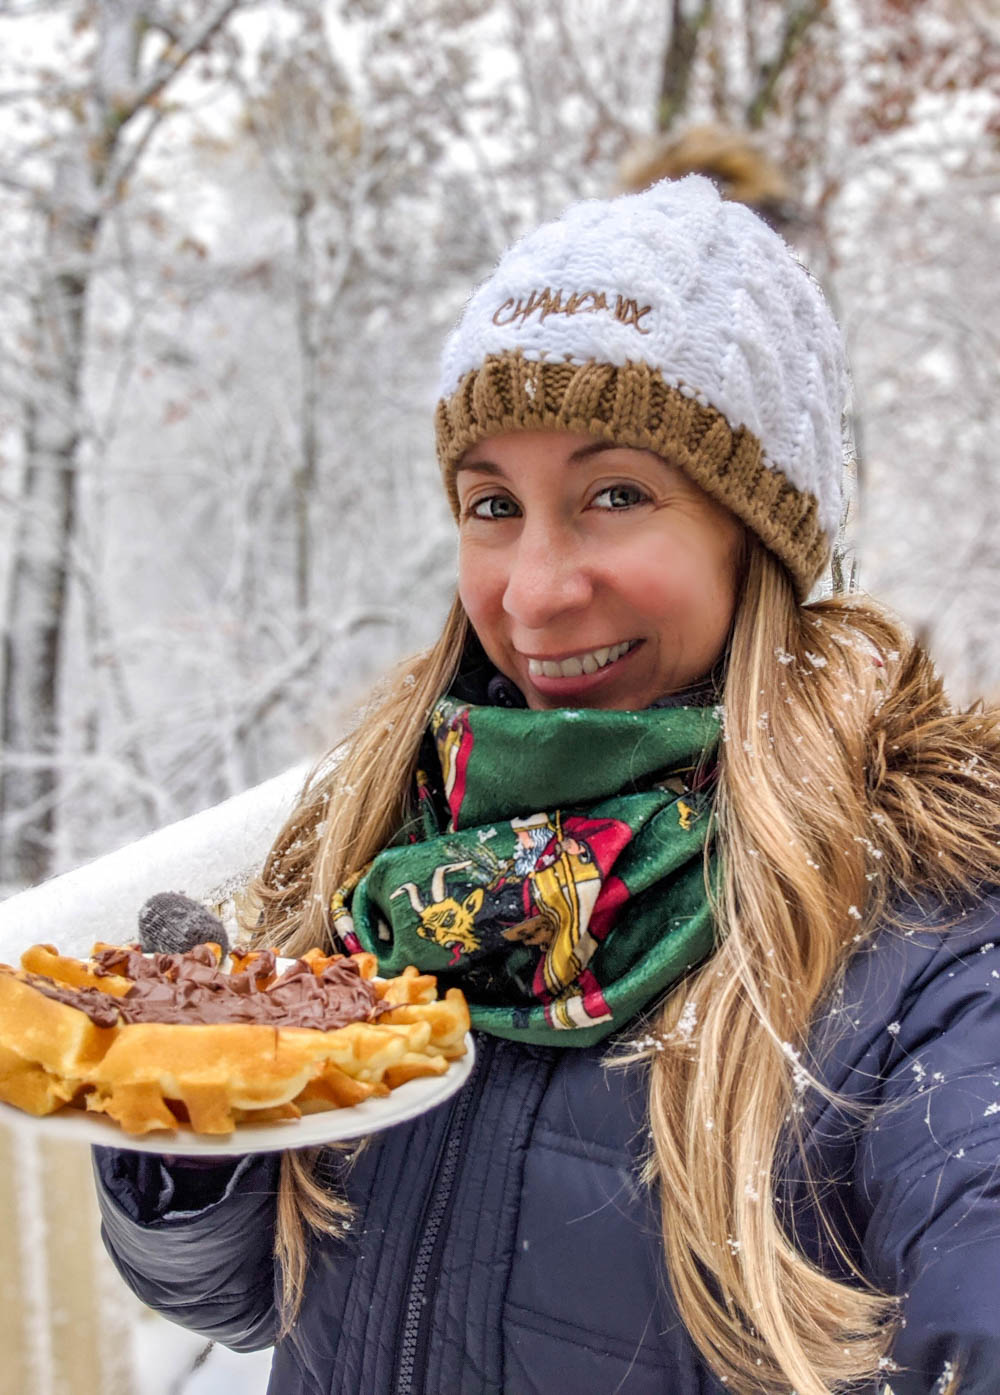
(590, 662)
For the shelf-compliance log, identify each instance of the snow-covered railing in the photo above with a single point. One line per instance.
(67, 1319)
(208, 856)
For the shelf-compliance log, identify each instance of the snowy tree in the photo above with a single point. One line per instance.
(866, 130)
(90, 130)
(257, 529)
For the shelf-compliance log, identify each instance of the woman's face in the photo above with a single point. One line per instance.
(594, 575)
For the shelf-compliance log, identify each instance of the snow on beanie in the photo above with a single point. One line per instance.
(673, 321)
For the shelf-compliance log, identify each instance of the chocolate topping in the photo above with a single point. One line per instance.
(190, 989)
(101, 1008)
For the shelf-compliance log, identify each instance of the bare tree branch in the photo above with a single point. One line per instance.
(119, 175)
(801, 14)
(191, 44)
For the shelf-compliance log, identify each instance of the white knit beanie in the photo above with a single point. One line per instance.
(673, 321)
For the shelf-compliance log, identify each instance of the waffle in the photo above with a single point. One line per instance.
(210, 1076)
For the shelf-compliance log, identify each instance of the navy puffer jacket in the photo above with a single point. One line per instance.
(504, 1245)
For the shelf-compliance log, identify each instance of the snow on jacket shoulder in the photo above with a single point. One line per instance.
(503, 1244)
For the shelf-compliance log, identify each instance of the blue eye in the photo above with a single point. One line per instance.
(620, 496)
(494, 506)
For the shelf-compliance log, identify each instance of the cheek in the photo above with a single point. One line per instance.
(721, 581)
(660, 582)
(480, 586)
(698, 583)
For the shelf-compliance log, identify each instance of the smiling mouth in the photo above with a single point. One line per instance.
(591, 661)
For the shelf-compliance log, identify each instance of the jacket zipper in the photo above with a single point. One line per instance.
(427, 1262)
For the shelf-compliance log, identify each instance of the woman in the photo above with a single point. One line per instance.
(713, 873)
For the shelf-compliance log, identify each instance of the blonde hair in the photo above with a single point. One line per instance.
(845, 777)
(353, 804)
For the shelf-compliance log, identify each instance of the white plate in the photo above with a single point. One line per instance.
(312, 1130)
(405, 1102)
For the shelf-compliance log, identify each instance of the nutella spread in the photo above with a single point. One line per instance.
(101, 1008)
(189, 989)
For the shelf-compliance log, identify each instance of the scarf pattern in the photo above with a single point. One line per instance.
(555, 868)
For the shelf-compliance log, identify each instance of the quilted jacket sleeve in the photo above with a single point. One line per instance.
(930, 1168)
(195, 1245)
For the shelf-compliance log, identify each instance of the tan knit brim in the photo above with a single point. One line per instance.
(633, 406)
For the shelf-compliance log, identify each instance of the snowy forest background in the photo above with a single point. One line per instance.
(235, 235)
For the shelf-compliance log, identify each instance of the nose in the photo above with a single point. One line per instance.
(547, 577)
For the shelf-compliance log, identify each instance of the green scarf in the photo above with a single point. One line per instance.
(555, 870)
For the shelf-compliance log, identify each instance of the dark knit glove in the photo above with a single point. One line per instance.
(170, 923)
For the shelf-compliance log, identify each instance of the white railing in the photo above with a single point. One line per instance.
(208, 856)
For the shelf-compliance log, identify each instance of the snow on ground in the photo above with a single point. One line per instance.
(171, 1361)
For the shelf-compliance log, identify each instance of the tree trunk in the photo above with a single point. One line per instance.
(35, 624)
(304, 479)
(89, 177)
(686, 24)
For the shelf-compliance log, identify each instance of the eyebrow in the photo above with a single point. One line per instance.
(487, 467)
